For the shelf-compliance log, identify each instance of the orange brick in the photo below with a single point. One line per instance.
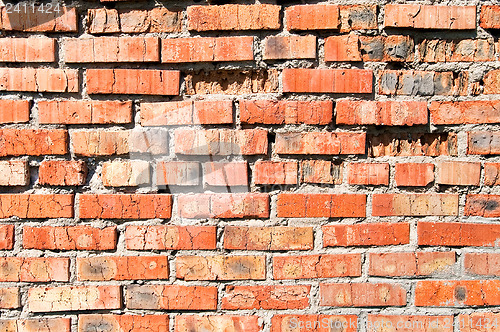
(171, 297)
(289, 47)
(266, 297)
(320, 143)
(487, 206)
(457, 234)
(410, 263)
(456, 293)
(415, 205)
(225, 174)
(268, 238)
(40, 20)
(14, 173)
(491, 174)
(316, 266)
(490, 17)
(358, 17)
(36, 324)
(413, 174)
(483, 142)
(342, 48)
(368, 173)
(6, 237)
(100, 143)
(275, 172)
(178, 173)
(312, 17)
(39, 79)
(100, 268)
(62, 172)
(27, 49)
(367, 234)
(162, 237)
(430, 17)
(34, 269)
(321, 171)
(321, 205)
(459, 173)
(28, 206)
(207, 49)
(33, 142)
(14, 111)
(221, 267)
(327, 80)
(125, 173)
(413, 144)
(362, 295)
(186, 323)
(482, 263)
(84, 111)
(464, 112)
(139, 323)
(473, 50)
(10, 298)
(480, 321)
(286, 112)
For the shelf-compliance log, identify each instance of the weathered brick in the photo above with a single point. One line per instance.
(321, 205)
(14, 173)
(289, 47)
(482, 263)
(90, 143)
(388, 49)
(14, 111)
(485, 321)
(9, 298)
(39, 79)
(410, 263)
(275, 172)
(342, 48)
(362, 295)
(27, 49)
(487, 206)
(456, 293)
(171, 297)
(36, 324)
(100, 268)
(103, 20)
(6, 237)
(125, 173)
(413, 144)
(491, 174)
(321, 171)
(206, 49)
(491, 81)
(226, 174)
(221, 267)
(358, 17)
(368, 173)
(316, 266)
(367, 234)
(32, 142)
(320, 143)
(62, 172)
(459, 173)
(268, 238)
(84, 111)
(286, 112)
(410, 323)
(327, 80)
(415, 205)
(40, 20)
(178, 173)
(69, 238)
(490, 17)
(312, 17)
(125, 206)
(413, 174)
(283, 323)
(462, 112)
(457, 234)
(187, 323)
(163, 237)
(474, 50)
(483, 142)
(36, 206)
(266, 297)
(34, 269)
(153, 141)
(139, 323)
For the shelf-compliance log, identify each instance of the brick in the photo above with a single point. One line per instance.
(491, 174)
(275, 172)
(163, 237)
(388, 49)
(456, 293)
(459, 173)
(289, 47)
(152, 323)
(132, 81)
(463, 112)
(72, 298)
(321, 205)
(27, 49)
(368, 173)
(84, 111)
(39, 20)
(14, 173)
(187, 112)
(358, 17)
(6, 237)
(90, 143)
(152, 141)
(103, 20)
(234, 17)
(414, 174)
(225, 205)
(410, 323)
(480, 321)
(69, 238)
(62, 172)
(28, 206)
(178, 173)
(381, 113)
(362, 295)
(314, 323)
(430, 17)
(412, 144)
(474, 50)
(410, 264)
(490, 82)
(187, 323)
(101, 268)
(490, 17)
(125, 206)
(286, 112)
(327, 80)
(39, 80)
(221, 142)
(34, 324)
(232, 82)
(268, 238)
(483, 142)
(226, 174)
(329, 143)
(321, 171)
(207, 49)
(316, 266)
(14, 111)
(266, 297)
(32, 142)
(482, 263)
(415, 205)
(221, 267)
(342, 48)
(34, 269)
(457, 234)
(367, 234)
(312, 17)
(422, 83)
(125, 173)
(111, 49)
(9, 298)
(171, 297)
(487, 206)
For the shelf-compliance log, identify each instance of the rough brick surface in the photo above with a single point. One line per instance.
(27, 50)
(268, 238)
(368, 234)
(171, 297)
(14, 173)
(154, 323)
(39, 19)
(62, 172)
(321, 205)
(33, 142)
(316, 266)
(327, 80)
(221, 267)
(69, 238)
(170, 237)
(430, 17)
(84, 112)
(362, 295)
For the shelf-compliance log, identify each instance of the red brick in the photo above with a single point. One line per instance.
(381, 113)
(226, 173)
(62, 172)
(388, 49)
(171, 297)
(316, 266)
(410, 323)
(34, 269)
(14, 173)
(410, 264)
(84, 111)
(133, 81)
(163, 237)
(221, 267)
(289, 47)
(430, 17)
(366, 234)
(368, 173)
(125, 206)
(457, 293)
(312, 17)
(415, 205)
(187, 112)
(178, 173)
(100, 143)
(125, 173)
(36, 324)
(206, 49)
(413, 174)
(490, 82)
(158, 19)
(358, 17)
(490, 17)
(491, 174)
(69, 238)
(275, 172)
(101, 268)
(457, 234)
(320, 143)
(239, 205)
(463, 112)
(459, 173)
(27, 50)
(9, 298)
(234, 17)
(413, 144)
(138, 323)
(362, 295)
(286, 112)
(342, 48)
(221, 142)
(473, 50)
(28, 206)
(327, 80)
(188, 323)
(321, 171)
(266, 297)
(487, 206)
(478, 321)
(483, 142)
(321, 205)
(40, 20)
(103, 20)
(39, 79)
(6, 237)
(14, 111)
(32, 142)
(268, 238)
(482, 263)
(72, 298)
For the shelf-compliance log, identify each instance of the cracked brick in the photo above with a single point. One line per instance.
(125, 206)
(458, 234)
(410, 263)
(321, 171)
(14, 111)
(362, 295)
(292, 205)
(171, 297)
(366, 234)
(412, 144)
(108, 322)
(457, 293)
(482, 263)
(483, 142)
(178, 173)
(268, 238)
(84, 111)
(100, 268)
(266, 297)
(368, 173)
(286, 112)
(36, 325)
(39, 20)
(275, 172)
(415, 205)
(6, 237)
(33, 142)
(221, 267)
(39, 79)
(62, 172)
(125, 173)
(30, 206)
(413, 174)
(464, 112)
(14, 173)
(316, 266)
(34, 269)
(162, 237)
(327, 143)
(27, 50)
(69, 238)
